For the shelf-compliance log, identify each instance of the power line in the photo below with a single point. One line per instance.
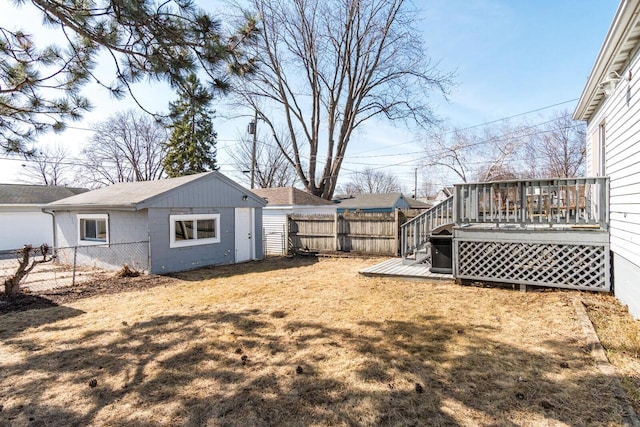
(521, 114)
(443, 151)
(474, 126)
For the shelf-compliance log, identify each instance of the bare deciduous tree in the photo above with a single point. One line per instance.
(484, 154)
(500, 146)
(558, 151)
(371, 181)
(328, 67)
(126, 147)
(453, 151)
(48, 165)
(271, 169)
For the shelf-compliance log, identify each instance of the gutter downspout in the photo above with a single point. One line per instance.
(53, 222)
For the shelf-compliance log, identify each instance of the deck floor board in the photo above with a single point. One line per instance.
(394, 268)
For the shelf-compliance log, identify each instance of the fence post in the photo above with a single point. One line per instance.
(396, 228)
(73, 277)
(289, 242)
(149, 254)
(336, 227)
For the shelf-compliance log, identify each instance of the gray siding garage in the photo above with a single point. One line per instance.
(161, 226)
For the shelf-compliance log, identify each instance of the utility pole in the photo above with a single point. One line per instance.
(415, 184)
(253, 130)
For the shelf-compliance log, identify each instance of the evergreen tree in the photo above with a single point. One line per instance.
(169, 40)
(192, 147)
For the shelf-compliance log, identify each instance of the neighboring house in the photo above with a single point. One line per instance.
(282, 202)
(161, 226)
(418, 204)
(610, 105)
(426, 201)
(387, 202)
(443, 194)
(21, 218)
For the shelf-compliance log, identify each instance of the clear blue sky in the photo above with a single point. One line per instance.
(510, 56)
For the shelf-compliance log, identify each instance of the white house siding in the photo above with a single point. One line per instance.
(274, 224)
(24, 225)
(274, 231)
(620, 113)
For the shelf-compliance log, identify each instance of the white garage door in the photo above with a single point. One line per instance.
(20, 228)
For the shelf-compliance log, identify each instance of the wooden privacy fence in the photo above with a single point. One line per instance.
(362, 232)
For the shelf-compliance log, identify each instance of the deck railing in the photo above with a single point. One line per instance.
(414, 233)
(558, 201)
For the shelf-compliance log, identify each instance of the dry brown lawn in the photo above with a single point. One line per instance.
(303, 342)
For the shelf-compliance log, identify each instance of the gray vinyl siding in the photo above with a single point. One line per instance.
(209, 191)
(167, 260)
(620, 113)
(124, 227)
(149, 226)
(128, 241)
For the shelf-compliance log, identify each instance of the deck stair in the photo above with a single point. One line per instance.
(422, 256)
(415, 233)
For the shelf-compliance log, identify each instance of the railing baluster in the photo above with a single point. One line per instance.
(559, 201)
(537, 201)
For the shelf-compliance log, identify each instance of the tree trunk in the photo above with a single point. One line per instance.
(11, 286)
(12, 283)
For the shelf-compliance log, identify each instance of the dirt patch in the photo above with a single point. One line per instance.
(302, 342)
(103, 284)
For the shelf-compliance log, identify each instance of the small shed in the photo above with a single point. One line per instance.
(282, 202)
(161, 226)
(385, 202)
(21, 218)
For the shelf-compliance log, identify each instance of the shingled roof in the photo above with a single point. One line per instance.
(367, 201)
(136, 194)
(24, 194)
(289, 196)
(126, 193)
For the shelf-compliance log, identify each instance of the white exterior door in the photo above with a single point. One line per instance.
(244, 234)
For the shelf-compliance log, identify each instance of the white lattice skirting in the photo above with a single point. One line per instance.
(585, 267)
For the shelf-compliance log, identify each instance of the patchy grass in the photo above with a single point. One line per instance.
(620, 336)
(302, 342)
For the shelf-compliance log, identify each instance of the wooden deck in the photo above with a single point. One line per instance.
(394, 268)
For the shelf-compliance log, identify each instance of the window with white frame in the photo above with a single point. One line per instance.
(93, 229)
(191, 230)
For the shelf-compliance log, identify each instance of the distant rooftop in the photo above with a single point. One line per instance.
(377, 201)
(289, 196)
(417, 204)
(25, 194)
(370, 201)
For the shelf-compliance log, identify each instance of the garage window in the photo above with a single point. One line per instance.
(93, 229)
(191, 230)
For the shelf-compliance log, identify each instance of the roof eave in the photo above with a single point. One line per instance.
(619, 29)
(133, 207)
